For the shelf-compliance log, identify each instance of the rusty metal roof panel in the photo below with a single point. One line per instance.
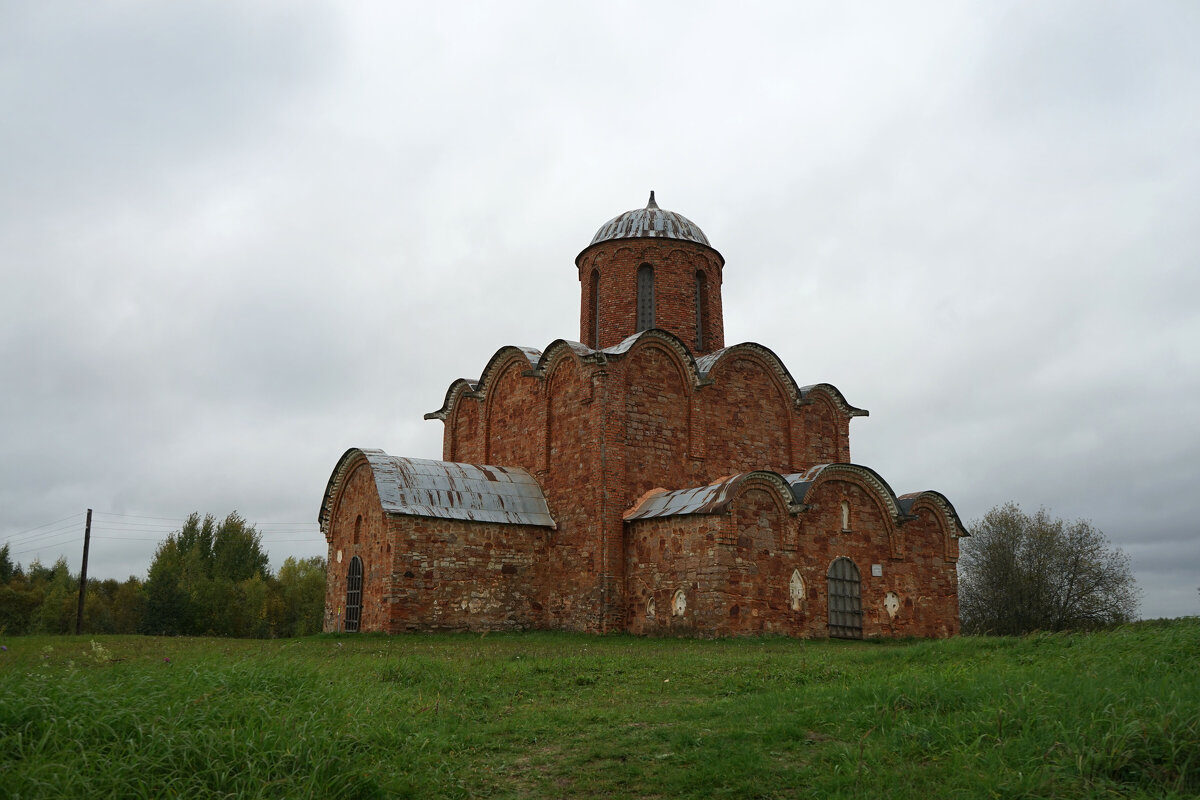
(480, 493)
(710, 499)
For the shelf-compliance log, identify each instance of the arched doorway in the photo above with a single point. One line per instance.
(845, 600)
(354, 582)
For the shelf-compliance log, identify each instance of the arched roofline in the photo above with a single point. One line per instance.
(779, 483)
(712, 498)
(349, 459)
(555, 349)
(501, 358)
(938, 501)
(836, 396)
(708, 364)
(802, 484)
(673, 343)
(459, 387)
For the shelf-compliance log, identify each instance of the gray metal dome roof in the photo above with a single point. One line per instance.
(650, 222)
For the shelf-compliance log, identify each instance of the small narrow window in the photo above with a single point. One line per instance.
(845, 515)
(595, 337)
(700, 310)
(354, 590)
(357, 528)
(645, 297)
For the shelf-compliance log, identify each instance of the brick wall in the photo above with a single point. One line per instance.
(675, 266)
(737, 569)
(459, 575)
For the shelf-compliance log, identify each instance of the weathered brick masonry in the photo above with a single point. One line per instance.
(653, 481)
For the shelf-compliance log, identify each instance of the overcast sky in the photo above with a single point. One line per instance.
(238, 238)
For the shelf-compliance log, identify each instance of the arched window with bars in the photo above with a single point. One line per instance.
(645, 297)
(845, 600)
(354, 593)
(595, 337)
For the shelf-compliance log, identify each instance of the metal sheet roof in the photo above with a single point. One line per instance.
(711, 499)
(650, 222)
(480, 493)
(708, 499)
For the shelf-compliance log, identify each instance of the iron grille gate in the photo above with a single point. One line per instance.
(845, 600)
(354, 582)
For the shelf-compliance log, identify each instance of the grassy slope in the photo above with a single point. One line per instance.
(555, 715)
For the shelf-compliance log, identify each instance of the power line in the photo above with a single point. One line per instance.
(136, 516)
(48, 524)
(43, 546)
(31, 537)
(128, 538)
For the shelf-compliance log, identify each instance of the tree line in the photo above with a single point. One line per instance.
(1018, 573)
(210, 578)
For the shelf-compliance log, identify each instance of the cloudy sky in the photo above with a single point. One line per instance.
(238, 238)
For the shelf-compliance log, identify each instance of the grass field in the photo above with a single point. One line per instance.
(1113, 714)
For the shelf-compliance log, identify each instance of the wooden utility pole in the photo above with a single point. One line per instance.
(87, 539)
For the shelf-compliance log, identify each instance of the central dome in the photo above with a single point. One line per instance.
(650, 222)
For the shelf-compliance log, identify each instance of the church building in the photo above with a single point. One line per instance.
(645, 478)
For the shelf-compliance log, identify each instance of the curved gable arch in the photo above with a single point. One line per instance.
(834, 396)
(710, 366)
(350, 461)
(826, 422)
(499, 363)
(462, 438)
(943, 511)
(775, 485)
(568, 385)
(750, 395)
(520, 407)
(559, 349)
(867, 479)
(454, 392)
(679, 352)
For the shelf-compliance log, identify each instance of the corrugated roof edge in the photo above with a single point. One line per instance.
(443, 489)
(712, 498)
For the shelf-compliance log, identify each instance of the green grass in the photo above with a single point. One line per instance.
(1113, 714)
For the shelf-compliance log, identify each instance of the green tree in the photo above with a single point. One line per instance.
(1020, 573)
(129, 606)
(207, 579)
(60, 600)
(168, 604)
(301, 596)
(19, 603)
(237, 552)
(8, 569)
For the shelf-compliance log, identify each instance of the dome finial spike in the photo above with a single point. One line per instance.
(652, 204)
